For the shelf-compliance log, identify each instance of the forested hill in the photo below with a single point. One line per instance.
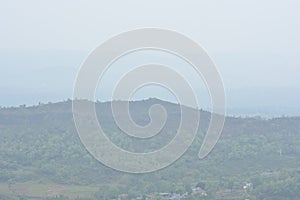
(39, 144)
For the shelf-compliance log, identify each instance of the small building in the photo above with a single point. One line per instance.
(199, 190)
(248, 186)
(164, 194)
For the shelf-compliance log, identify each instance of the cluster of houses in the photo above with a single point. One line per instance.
(173, 196)
(247, 187)
(169, 196)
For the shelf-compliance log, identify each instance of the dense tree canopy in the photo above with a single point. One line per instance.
(40, 144)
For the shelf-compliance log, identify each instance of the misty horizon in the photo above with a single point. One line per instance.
(48, 76)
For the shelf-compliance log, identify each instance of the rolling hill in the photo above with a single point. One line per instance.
(40, 150)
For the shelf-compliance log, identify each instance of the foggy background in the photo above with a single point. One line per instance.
(255, 45)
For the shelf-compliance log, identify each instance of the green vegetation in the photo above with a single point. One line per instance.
(41, 157)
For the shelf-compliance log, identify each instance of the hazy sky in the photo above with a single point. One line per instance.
(255, 43)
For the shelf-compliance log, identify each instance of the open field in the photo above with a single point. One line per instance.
(33, 190)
